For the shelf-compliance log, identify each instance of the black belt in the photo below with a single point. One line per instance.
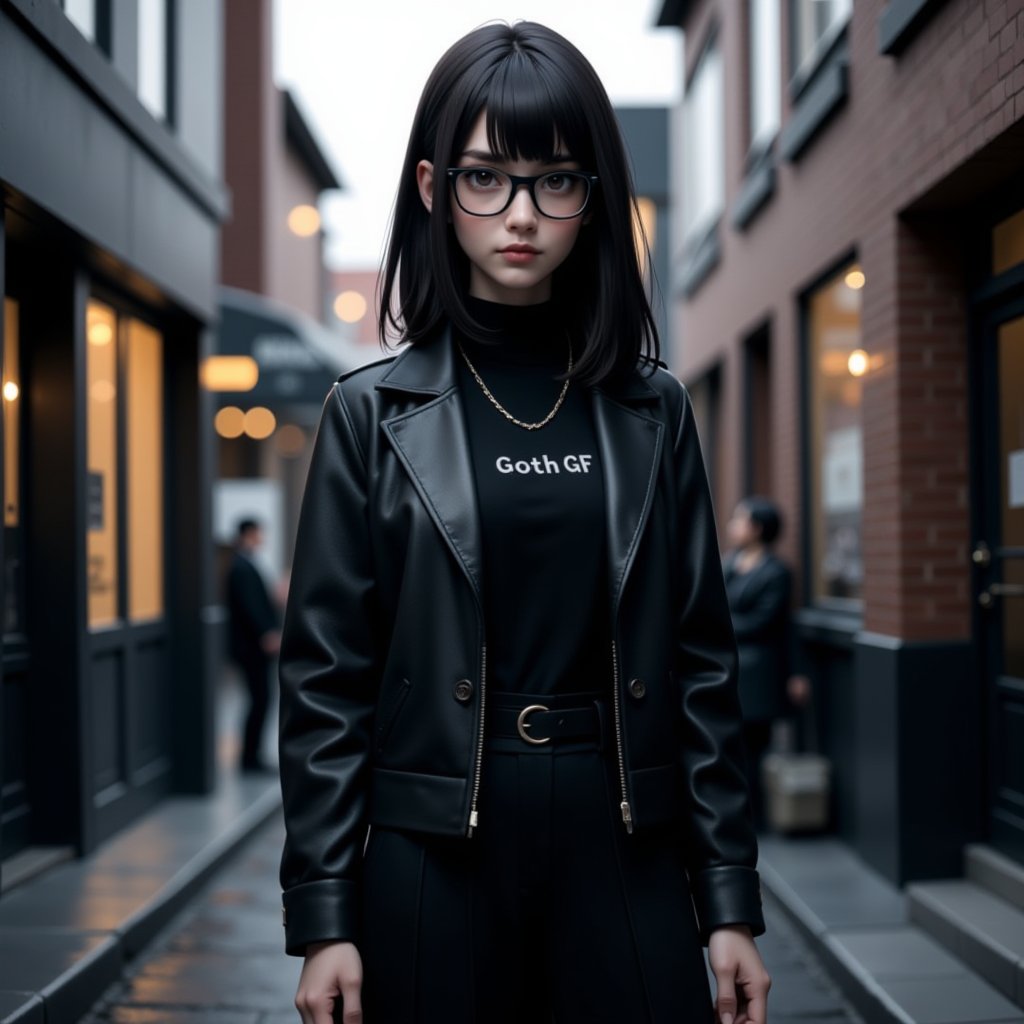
(535, 722)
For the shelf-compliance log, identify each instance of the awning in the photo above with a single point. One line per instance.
(298, 358)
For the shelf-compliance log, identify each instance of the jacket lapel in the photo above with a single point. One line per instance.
(431, 443)
(629, 442)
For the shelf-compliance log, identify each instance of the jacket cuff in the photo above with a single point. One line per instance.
(730, 894)
(321, 911)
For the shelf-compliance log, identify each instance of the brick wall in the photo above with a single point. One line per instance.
(921, 137)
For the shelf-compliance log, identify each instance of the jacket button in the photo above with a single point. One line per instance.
(637, 688)
(463, 691)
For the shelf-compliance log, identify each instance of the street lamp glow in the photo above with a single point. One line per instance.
(350, 307)
(229, 421)
(855, 279)
(260, 422)
(230, 373)
(10, 391)
(304, 220)
(858, 362)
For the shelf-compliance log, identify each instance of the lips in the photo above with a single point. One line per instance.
(519, 247)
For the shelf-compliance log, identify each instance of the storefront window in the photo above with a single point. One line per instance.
(145, 465)
(765, 71)
(815, 24)
(704, 152)
(101, 464)
(14, 540)
(837, 363)
(1008, 243)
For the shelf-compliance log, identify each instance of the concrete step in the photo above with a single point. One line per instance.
(979, 927)
(891, 970)
(995, 871)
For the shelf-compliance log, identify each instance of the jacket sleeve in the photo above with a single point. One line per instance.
(328, 674)
(721, 847)
(766, 614)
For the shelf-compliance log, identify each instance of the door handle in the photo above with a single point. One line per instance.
(987, 597)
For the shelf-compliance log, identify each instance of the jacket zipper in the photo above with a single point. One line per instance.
(474, 815)
(627, 814)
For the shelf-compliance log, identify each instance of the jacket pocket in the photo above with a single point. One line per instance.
(388, 715)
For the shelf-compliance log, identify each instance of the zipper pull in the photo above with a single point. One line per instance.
(627, 816)
(474, 820)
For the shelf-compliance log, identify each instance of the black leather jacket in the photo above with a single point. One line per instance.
(383, 661)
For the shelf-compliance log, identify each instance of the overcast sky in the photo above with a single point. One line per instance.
(358, 66)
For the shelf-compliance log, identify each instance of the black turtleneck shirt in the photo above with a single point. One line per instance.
(541, 500)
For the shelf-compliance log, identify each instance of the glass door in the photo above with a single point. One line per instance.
(1000, 559)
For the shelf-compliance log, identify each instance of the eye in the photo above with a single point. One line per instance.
(483, 179)
(557, 182)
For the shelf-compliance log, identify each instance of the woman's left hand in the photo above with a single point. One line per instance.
(740, 977)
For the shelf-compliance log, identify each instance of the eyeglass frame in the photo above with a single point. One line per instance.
(517, 180)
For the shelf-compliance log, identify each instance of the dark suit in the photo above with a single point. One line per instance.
(759, 602)
(251, 616)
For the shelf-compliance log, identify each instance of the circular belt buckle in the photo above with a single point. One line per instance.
(522, 725)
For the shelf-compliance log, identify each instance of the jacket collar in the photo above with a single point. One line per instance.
(428, 368)
(430, 442)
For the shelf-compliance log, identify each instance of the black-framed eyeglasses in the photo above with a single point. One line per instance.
(486, 192)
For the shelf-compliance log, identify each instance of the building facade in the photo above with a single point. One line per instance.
(849, 252)
(110, 176)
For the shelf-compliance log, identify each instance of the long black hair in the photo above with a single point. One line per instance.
(541, 95)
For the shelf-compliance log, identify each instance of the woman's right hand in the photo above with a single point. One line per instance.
(332, 971)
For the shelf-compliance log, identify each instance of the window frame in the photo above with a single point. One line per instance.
(842, 608)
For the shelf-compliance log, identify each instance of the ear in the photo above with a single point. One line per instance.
(425, 183)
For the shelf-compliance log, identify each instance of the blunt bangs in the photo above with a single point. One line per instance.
(532, 112)
(543, 100)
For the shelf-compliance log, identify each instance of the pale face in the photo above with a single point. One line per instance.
(512, 255)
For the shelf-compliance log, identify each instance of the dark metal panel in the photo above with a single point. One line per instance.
(175, 246)
(645, 132)
(62, 47)
(53, 313)
(92, 175)
(191, 600)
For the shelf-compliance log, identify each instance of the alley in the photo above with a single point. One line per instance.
(221, 961)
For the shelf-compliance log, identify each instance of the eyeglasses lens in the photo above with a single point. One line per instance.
(559, 194)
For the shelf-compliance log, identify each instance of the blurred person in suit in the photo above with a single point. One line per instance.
(758, 585)
(255, 638)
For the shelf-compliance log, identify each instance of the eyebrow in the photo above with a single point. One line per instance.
(488, 157)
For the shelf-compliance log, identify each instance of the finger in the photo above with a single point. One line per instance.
(757, 1007)
(322, 1009)
(725, 1000)
(351, 995)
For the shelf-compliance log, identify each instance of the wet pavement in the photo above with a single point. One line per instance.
(222, 960)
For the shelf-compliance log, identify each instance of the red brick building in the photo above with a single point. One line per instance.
(850, 288)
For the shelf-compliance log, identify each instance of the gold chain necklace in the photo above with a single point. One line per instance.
(504, 412)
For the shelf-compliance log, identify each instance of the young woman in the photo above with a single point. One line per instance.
(510, 738)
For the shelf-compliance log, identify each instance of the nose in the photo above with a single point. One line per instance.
(521, 211)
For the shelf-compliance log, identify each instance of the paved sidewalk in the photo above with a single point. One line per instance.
(222, 961)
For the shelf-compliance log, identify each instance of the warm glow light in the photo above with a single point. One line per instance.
(10, 390)
(645, 222)
(100, 333)
(102, 391)
(855, 279)
(259, 422)
(229, 421)
(350, 307)
(290, 440)
(229, 373)
(858, 362)
(304, 220)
